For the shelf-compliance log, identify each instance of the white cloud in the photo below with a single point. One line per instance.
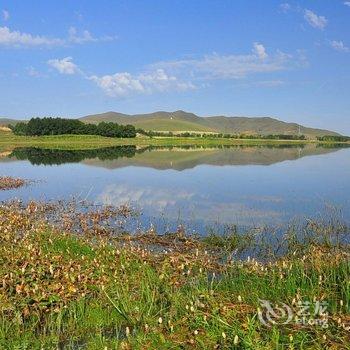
(347, 3)
(75, 38)
(339, 46)
(314, 20)
(216, 66)
(17, 39)
(5, 15)
(85, 36)
(124, 84)
(285, 7)
(174, 75)
(259, 50)
(64, 66)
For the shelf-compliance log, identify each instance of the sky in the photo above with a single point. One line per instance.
(288, 60)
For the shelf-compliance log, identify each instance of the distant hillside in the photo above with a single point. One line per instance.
(184, 121)
(181, 121)
(158, 121)
(8, 121)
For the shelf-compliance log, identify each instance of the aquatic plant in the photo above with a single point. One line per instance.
(70, 280)
(7, 183)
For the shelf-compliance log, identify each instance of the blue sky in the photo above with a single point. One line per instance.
(284, 59)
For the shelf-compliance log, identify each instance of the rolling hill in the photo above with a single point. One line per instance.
(180, 121)
(184, 121)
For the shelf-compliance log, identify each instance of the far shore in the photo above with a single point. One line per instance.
(8, 141)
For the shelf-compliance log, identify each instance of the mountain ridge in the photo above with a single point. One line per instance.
(181, 121)
(185, 121)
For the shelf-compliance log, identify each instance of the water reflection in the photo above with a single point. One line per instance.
(197, 186)
(178, 158)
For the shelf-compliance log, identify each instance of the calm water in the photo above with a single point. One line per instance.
(198, 187)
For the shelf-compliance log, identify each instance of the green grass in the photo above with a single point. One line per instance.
(9, 141)
(98, 292)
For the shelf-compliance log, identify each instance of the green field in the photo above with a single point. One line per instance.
(9, 141)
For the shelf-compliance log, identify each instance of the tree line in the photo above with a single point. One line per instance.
(60, 126)
(334, 138)
(222, 135)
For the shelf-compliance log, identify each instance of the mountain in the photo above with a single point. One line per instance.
(184, 121)
(180, 121)
(157, 121)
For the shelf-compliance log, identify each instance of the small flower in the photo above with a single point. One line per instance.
(236, 340)
(239, 299)
(160, 320)
(223, 334)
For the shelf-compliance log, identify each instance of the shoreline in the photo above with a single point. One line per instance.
(67, 287)
(8, 141)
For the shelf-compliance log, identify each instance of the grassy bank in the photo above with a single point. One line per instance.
(94, 290)
(9, 141)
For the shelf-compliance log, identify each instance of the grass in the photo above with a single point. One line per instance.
(9, 141)
(93, 290)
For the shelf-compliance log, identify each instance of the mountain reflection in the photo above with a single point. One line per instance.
(177, 158)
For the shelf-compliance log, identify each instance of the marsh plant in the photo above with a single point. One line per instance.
(73, 281)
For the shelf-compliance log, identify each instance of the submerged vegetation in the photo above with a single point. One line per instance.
(73, 279)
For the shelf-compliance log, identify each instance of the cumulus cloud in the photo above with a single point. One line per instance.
(233, 66)
(84, 36)
(64, 65)
(5, 15)
(123, 84)
(259, 50)
(19, 39)
(339, 46)
(347, 3)
(174, 75)
(315, 20)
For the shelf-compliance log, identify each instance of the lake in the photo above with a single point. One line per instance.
(197, 187)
